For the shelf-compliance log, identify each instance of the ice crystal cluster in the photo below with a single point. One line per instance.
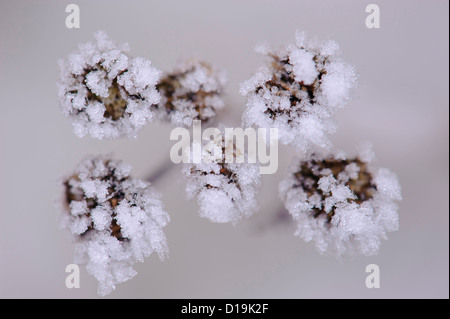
(192, 91)
(298, 92)
(343, 205)
(106, 93)
(225, 190)
(115, 220)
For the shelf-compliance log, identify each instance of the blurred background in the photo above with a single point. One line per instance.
(401, 105)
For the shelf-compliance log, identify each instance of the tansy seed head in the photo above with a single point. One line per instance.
(193, 91)
(342, 204)
(225, 190)
(106, 93)
(115, 220)
(298, 91)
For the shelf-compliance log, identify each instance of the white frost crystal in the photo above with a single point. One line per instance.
(193, 91)
(114, 219)
(225, 191)
(106, 93)
(343, 205)
(299, 91)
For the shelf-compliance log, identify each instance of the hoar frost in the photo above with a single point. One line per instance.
(343, 205)
(225, 191)
(106, 93)
(193, 91)
(298, 91)
(115, 220)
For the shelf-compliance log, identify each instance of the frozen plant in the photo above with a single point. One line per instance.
(298, 92)
(106, 93)
(225, 190)
(192, 91)
(342, 204)
(115, 220)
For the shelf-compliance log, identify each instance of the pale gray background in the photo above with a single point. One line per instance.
(401, 105)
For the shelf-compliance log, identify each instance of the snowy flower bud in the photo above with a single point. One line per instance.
(342, 204)
(225, 189)
(115, 220)
(193, 91)
(298, 91)
(106, 93)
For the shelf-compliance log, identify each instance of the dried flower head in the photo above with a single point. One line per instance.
(225, 191)
(342, 204)
(193, 91)
(106, 93)
(116, 220)
(299, 91)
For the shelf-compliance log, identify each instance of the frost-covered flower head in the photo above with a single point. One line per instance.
(193, 91)
(225, 191)
(298, 91)
(106, 93)
(116, 220)
(342, 204)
